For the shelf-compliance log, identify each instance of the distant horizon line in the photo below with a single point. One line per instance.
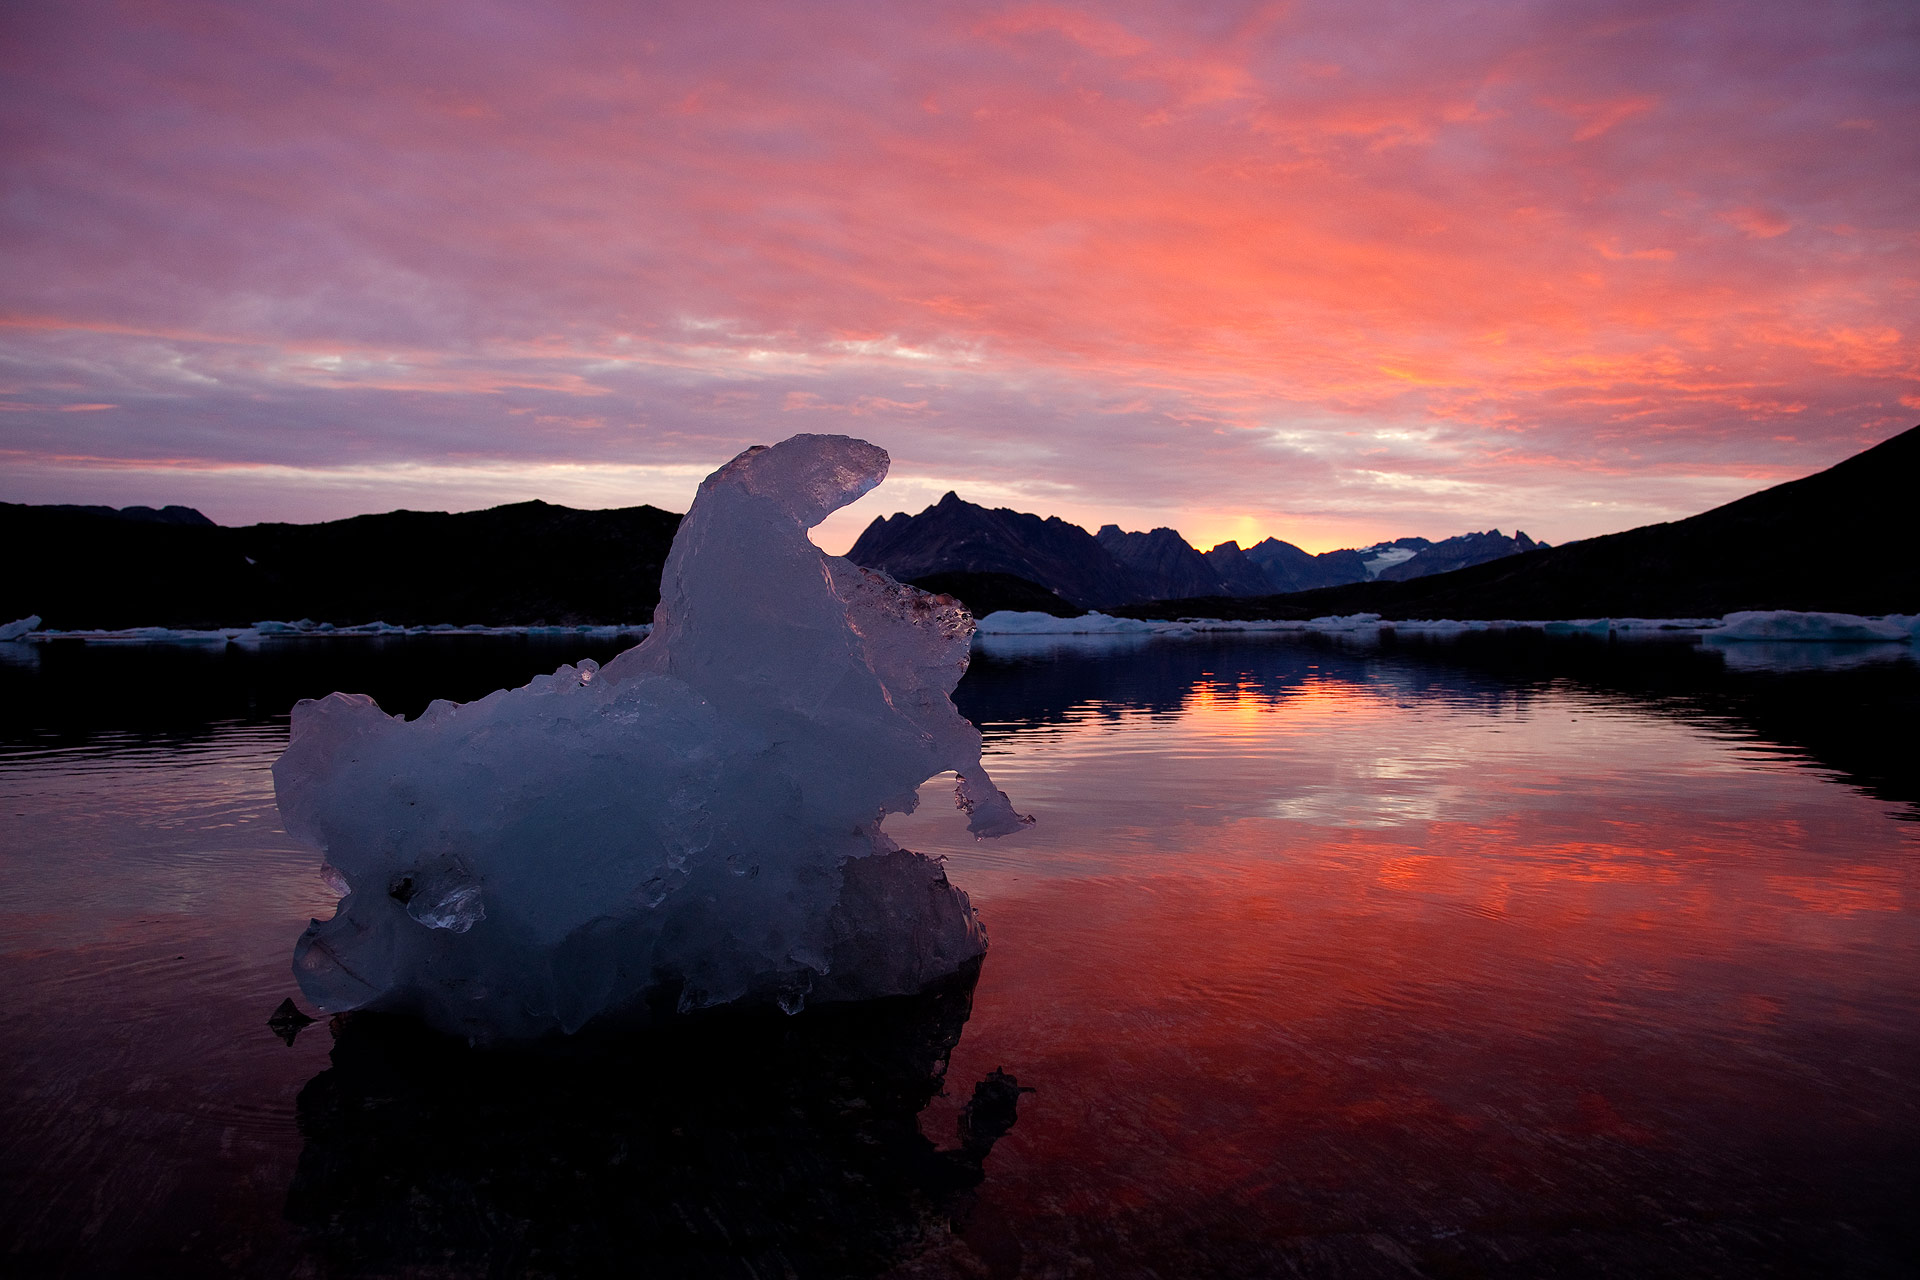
(647, 506)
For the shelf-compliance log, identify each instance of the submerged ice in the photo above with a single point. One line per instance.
(697, 823)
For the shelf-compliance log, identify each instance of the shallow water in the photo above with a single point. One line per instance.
(1505, 958)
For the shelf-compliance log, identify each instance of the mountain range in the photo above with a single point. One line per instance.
(1834, 540)
(1830, 541)
(529, 563)
(1115, 567)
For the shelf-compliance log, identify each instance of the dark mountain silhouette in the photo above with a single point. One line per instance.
(1807, 544)
(1291, 569)
(140, 515)
(1239, 575)
(954, 536)
(1111, 568)
(1343, 566)
(1459, 553)
(1162, 563)
(528, 563)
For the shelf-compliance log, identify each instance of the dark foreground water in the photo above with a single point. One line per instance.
(1503, 957)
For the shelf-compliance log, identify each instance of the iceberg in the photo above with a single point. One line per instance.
(697, 824)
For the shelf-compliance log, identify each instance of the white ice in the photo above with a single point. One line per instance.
(1819, 628)
(696, 824)
(1778, 626)
(1386, 559)
(1775, 625)
(1011, 622)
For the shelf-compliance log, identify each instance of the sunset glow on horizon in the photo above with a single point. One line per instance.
(1334, 273)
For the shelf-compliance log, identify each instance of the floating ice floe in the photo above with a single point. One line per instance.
(1010, 622)
(696, 824)
(1822, 628)
(1777, 626)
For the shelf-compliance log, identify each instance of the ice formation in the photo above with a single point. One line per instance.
(1786, 624)
(697, 823)
(1011, 622)
(1777, 626)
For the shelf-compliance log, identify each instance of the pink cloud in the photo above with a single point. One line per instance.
(1541, 251)
(1761, 224)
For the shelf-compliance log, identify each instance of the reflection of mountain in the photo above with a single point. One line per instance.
(1856, 721)
(1020, 682)
(729, 1145)
(1853, 720)
(67, 692)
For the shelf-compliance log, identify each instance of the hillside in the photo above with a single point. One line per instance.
(1836, 540)
(1115, 567)
(956, 536)
(525, 564)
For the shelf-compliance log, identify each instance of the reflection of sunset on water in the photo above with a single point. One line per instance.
(1295, 936)
(1503, 957)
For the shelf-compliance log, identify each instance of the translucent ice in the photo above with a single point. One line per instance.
(696, 824)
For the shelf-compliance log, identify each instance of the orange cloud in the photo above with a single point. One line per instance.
(1257, 240)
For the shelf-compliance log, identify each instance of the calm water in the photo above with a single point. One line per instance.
(1498, 958)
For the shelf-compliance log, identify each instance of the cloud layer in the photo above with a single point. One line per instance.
(1332, 271)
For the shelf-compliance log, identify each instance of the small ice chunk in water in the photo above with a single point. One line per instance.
(696, 824)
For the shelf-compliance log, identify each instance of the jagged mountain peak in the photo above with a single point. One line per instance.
(1118, 566)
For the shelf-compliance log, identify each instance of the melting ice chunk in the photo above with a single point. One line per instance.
(698, 823)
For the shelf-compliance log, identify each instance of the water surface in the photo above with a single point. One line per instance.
(1502, 958)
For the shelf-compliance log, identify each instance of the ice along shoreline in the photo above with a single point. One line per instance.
(1765, 626)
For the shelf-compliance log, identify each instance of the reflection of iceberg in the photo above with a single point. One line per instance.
(696, 824)
(1785, 640)
(719, 1146)
(1803, 655)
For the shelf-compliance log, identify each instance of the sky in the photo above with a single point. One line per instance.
(1333, 272)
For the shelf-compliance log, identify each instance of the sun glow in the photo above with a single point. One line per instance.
(1324, 272)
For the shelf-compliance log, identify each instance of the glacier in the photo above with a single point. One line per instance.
(696, 824)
